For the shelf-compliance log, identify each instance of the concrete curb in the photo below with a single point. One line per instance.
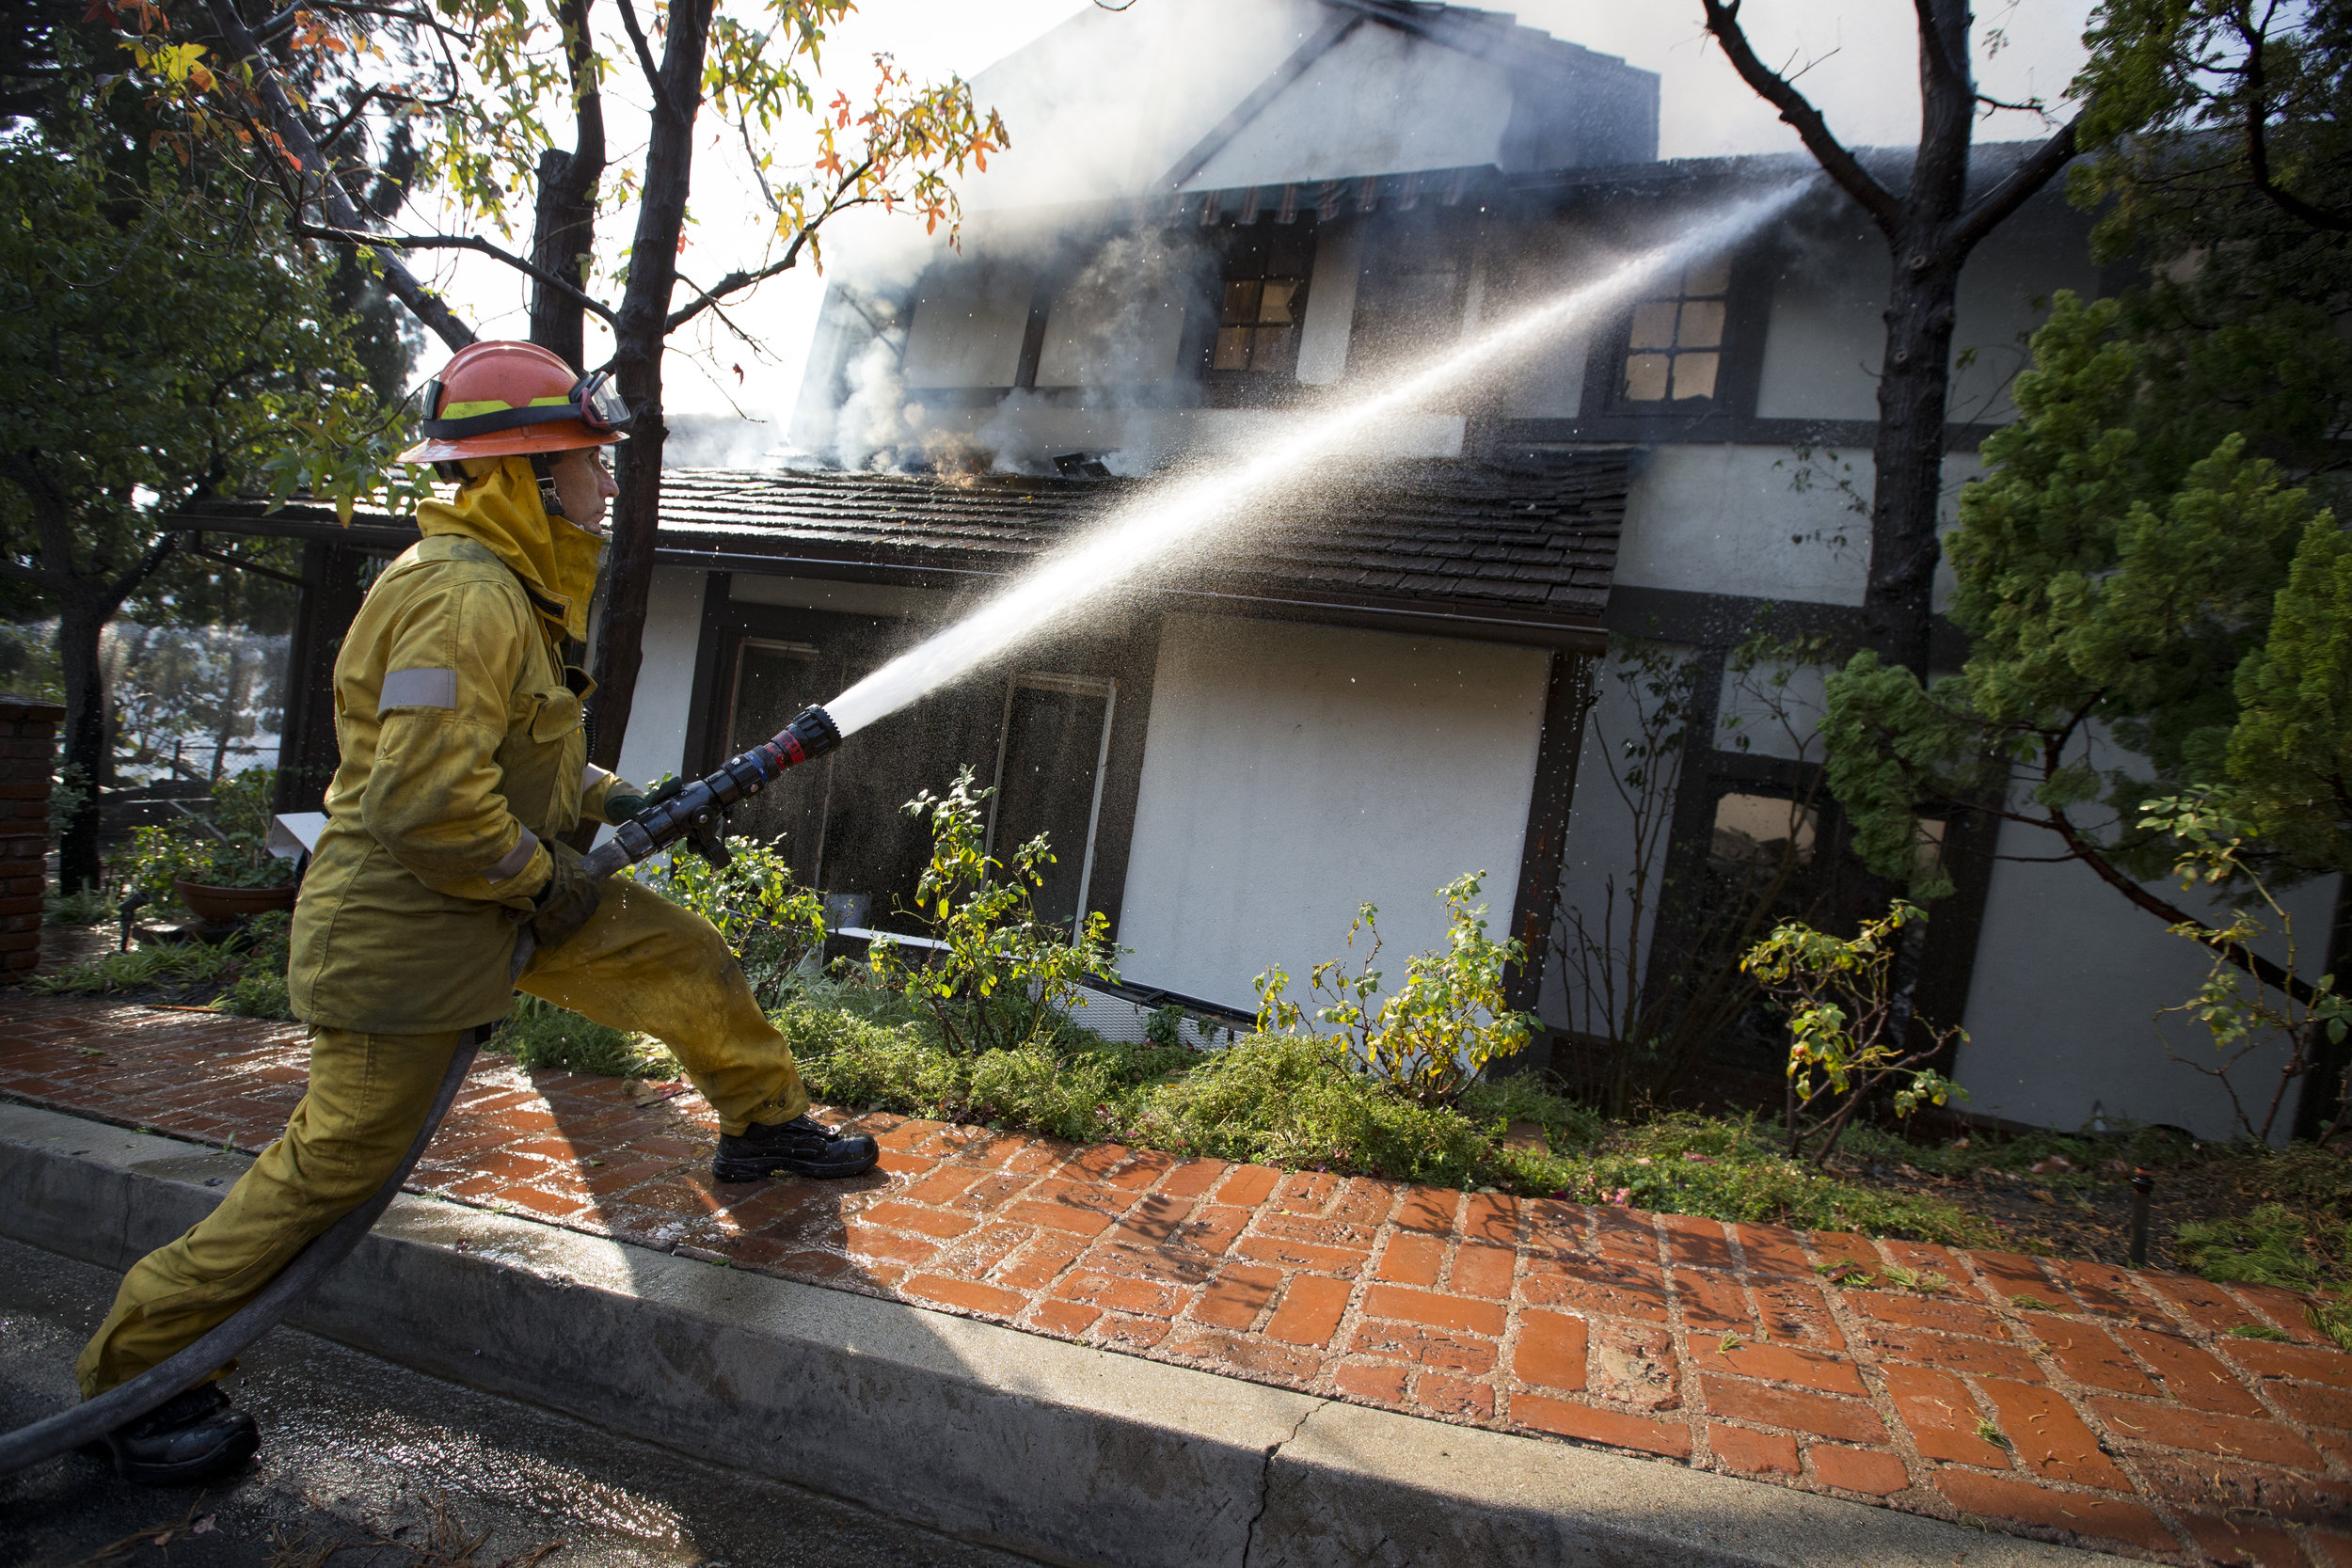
(1060, 1451)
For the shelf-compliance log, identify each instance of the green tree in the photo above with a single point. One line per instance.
(2111, 593)
(164, 343)
(479, 83)
(2151, 569)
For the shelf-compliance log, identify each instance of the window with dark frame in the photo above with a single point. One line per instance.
(1051, 758)
(1263, 300)
(1674, 347)
(773, 682)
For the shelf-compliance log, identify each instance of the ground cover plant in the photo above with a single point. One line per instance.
(1291, 1097)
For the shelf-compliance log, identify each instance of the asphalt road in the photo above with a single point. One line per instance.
(365, 1464)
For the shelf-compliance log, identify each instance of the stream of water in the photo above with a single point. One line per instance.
(1185, 516)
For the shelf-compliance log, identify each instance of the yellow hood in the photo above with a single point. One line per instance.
(555, 558)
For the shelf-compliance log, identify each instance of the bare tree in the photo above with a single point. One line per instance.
(1930, 226)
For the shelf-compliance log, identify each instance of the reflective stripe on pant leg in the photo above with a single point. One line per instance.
(368, 1095)
(644, 964)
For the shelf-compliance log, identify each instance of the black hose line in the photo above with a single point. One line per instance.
(166, 1380)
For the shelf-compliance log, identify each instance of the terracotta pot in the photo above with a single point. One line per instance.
(222, 906)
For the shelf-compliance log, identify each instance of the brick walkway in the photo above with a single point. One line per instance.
(2067, 1401)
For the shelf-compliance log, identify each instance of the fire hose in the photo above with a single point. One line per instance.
(694, 816)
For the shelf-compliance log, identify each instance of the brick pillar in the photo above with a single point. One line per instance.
(29, 758)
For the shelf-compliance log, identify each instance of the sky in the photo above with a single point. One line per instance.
(1857, 60)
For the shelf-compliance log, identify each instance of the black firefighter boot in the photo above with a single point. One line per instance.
(802, 1146)
(190, 1437)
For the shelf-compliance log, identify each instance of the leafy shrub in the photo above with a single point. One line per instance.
(1002, 977)
(228, 848)
(1847, 1021)
(1434, 1033)
(773, 926)
(1302, 1100)
(1078, 1095)
(245, 975)
(84, 905)
(1733, 1168)
(539, 1034)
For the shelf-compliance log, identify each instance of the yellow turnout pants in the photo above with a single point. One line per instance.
(641, 964)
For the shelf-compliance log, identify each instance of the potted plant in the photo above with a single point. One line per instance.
(216, 865)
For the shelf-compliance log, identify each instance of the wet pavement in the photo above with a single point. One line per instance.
(365, 1464)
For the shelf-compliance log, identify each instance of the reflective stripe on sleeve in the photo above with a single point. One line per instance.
(419, 688)
(515, 861)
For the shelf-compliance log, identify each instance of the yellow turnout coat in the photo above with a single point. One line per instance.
(462, 749)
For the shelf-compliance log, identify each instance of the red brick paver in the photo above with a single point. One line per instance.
(2069, 1401)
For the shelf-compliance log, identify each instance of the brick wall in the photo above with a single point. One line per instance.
(29, 744)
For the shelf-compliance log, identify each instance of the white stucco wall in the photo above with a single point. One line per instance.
(2069, 977)
(665, 676)
(1379, 101)
(1331, 303)
(1827, 335)
(1761, 522)
(1292, 771)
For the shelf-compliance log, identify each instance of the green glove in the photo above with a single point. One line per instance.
(564, 905)
(620, 808)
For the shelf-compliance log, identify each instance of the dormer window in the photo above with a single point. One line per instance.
(1264, 300)
(1673, 353)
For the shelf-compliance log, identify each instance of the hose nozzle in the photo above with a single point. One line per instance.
(807, 738)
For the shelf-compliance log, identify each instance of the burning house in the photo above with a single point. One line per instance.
(1403, 676)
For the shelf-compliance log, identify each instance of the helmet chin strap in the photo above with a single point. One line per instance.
(550, 502)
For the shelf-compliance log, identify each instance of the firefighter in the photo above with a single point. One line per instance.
(463, 765)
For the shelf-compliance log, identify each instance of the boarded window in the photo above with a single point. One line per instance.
(1673, 351)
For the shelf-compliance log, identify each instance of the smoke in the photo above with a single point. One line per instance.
(720, 441)
(875, 420)
(1112, 344)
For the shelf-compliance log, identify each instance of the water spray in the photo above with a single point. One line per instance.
(1168, 522)
(1186, 517)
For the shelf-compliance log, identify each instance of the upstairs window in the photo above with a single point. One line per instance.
(1673, 353)
(1263, 300)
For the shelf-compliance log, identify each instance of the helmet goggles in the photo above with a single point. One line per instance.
(594, 401)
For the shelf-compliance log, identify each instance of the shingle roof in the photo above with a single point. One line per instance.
(1530, 546)
(1530, 543)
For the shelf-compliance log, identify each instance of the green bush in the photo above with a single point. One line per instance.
(539, 1034)
(1303, 1103)
(246, 974)
(228, 848)
(84, 905)
(1435, 1032)
(1002, 978)
(1732, 1168)
(773, 926)
(1045, 1086)
(1300, 1100)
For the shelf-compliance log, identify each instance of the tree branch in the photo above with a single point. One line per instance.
(422, 303)
(734, 282)
(1722, 21)
(645, 61)
(138, 571)
(2258, 134)
(456, 241)
(1939, 58)
(1995, 205)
